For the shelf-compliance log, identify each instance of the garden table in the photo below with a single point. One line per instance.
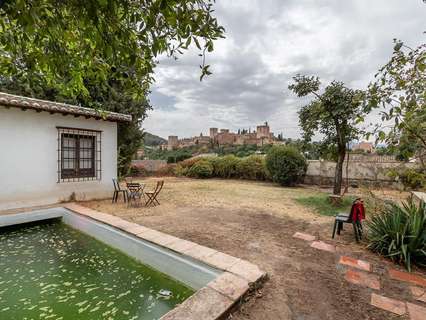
(135, 193)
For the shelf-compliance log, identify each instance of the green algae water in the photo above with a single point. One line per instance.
(51, 271)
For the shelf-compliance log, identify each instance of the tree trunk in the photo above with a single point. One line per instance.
(338, 174)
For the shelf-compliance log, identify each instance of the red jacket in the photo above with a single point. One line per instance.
(358, 211)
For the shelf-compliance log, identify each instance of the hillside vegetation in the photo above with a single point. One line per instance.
(150, 139)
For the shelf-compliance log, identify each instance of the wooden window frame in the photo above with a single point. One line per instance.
(93, 162)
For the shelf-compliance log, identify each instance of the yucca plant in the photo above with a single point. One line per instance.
(399, 233)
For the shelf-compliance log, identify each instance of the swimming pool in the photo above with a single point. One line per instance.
(61, 263)
(58, 265)
(52, 271)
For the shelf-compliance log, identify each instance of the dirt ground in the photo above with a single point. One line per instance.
(255, 221)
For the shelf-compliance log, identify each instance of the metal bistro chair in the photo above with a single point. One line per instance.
(135, 193)
(117, 191)
(152, 196)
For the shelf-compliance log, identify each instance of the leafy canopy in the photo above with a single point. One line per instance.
(59, 44)
(400, 92)
(333, 114)
(99, 53)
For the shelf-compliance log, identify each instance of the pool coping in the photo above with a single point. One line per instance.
(214, 300)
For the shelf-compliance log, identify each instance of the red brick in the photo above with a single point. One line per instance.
(304, 236)
(416, 312)
(352, 262)
(363, 279)
(418, 293)
(320, 245)
(407, 277)
(388, 304)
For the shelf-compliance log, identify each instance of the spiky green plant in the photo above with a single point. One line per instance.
(399, 233)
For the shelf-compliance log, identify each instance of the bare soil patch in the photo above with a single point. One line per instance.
(256, 221)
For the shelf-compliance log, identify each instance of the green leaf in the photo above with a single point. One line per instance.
(197, 43)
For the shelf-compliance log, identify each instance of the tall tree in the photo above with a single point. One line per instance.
(99, 53)
(60, 43)
(332, 114)
(400, 92)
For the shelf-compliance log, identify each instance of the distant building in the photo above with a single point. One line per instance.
(172, 142)
(263, 131)
(140, 153)
(213, 132)
(364, 146)
(260, 137)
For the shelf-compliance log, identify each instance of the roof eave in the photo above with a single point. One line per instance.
(38, 105)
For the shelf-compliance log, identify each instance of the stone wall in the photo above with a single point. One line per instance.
(150, 165)
(360, 173)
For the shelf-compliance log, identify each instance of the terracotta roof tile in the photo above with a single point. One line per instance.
(11, 100)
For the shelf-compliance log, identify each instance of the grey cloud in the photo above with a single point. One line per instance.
(268, 42)
(163, 102)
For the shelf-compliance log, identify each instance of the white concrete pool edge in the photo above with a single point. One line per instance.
(223, 280)
(215, 299)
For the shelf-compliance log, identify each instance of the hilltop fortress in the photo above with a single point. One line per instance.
(260, 137)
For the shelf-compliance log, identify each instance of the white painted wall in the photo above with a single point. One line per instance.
(28, 159)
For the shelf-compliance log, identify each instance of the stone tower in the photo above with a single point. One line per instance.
(172, 142)
(263, 131)
(213, 132)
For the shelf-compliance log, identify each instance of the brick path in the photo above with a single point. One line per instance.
(360, 272)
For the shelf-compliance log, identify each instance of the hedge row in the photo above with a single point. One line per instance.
(284, 165)
(251, 167)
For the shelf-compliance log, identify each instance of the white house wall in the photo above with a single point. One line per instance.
(29, 155)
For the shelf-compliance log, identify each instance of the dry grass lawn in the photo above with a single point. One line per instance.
(181, 193)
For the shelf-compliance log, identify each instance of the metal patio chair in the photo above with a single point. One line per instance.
(152, 196)
(117, 191)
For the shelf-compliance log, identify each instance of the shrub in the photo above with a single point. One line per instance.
(286, 165)
(416, 179)
(177, 156)
(168, 170)
(399, 233)
(411, 178)
(201, 169)
(225, 167)
(180, 171)
(188, 163)
(137, 171)
(252, 168)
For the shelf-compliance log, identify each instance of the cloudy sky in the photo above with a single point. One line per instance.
(267, 43)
